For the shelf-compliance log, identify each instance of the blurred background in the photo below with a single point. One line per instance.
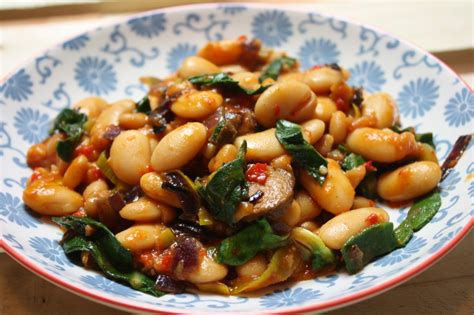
(444, 28)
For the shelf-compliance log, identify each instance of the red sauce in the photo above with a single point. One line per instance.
(257, 173)
(369, 167)
(277, 110)
(35, 176)
(372, 219)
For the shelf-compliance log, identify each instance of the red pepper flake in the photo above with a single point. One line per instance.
(96, 173)
(277, 110)
(369, 167)
(80, 213)
(257, 173)
(86, 150)
(372, 219)
(35, 176)
(315, 67)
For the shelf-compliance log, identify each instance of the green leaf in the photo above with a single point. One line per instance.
(291, 138)
(374, 241)
(226, 188)
(248, 242)
(143, 105)
(368, 186)
(71, 122)
(224, 132)
(420, 213)
(105, 168)
(420, 137)
(223, 80)
(274, 69)
(352, 161)
(321, 255)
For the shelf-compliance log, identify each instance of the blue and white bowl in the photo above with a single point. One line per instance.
(108, 62)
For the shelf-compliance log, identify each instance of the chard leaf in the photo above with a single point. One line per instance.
(71, 122)
(291, 138)
(248, 242)
(273, 70)
(143, 105)
(321, 255)
(223, 80)
(352, 161)
(226, 188)
(420, 137)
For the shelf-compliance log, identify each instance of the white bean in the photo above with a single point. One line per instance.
(197, 104)
(141, 236)
(75, 172)
(336, 194)
(193, 66)
(339, 229)
(111, 115)
(151, 183)
(314, 129)
(309, 209)
(179, 147)
(381, 145)
(207, 271)
(291, 100)
(262, 146)
(409, 181)
(130, 156)
(320, 80)
(383, 106)
(144, 209)
(91, 106)
(91, 194)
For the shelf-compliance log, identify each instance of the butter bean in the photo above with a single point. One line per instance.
(381, 145)
(91, 195)
(336, 195)
(207, 271)
(339, 229)
(226, 154)
(197, 104)
(51, 198)
(76, 172)
(290, 100)
(320, 80)
(252, 268)
(314, 129)
(309, 209)
(179, 147)
(338, 127)
(383, 107)
(111, 115)
(262, 146)
(324, 109)
(91, 106)
(151, 184)
(247, 80)
(193, 66)
(409, 181)
(356, 175)
(144, 209)
(140, 237)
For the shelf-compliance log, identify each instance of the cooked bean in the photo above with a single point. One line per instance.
(247, 80)
(339, 229)
(262, 146)
(314, 130)
(51, 198)
(309, 209)
(151, 186)
(362, 202)
(383, 107)
(291, 215)
(144, 209)
(310, 226)
(91, 106)
(324, 145)
(179, 147)
(426, 153)
(291, 100)
(409, 181)
(252, 268)
(381, 145)
(291, 76)
(336, 195)
(111, 114)
(91, 195)
(324, 109)
(226, 154)
(141, 236)
(207, 271)
(132, 120)
(320, 80)
(193, 66)
(223, 52)
(197, 104)
(283, 161)
(130, 167)
(356, 175)
(76, 172)
(338, 127)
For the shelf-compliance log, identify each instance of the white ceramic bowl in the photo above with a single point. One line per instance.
(108, 61)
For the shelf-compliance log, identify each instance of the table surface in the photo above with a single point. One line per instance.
(445, 288)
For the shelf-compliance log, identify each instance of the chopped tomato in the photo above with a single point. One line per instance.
(369, 167)
(86, 150)
(166, 262)
(372, 219)
(257, 173)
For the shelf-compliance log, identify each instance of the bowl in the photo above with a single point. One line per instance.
(108, 62)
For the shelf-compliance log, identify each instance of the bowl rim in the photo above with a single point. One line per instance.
(355, 297)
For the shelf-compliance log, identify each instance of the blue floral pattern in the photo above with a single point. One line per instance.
(177, 55)
(95, 75)
(13, 210)
(77, 42)
(31, 124)
(18, 87)
(148, 26)
(49, 249)
(100, 283)
(460, 108)
(272, 27)
(368, 75)
(402, 253)
(318, 52)
(418, 97)
(449, 183)
(289, 297)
